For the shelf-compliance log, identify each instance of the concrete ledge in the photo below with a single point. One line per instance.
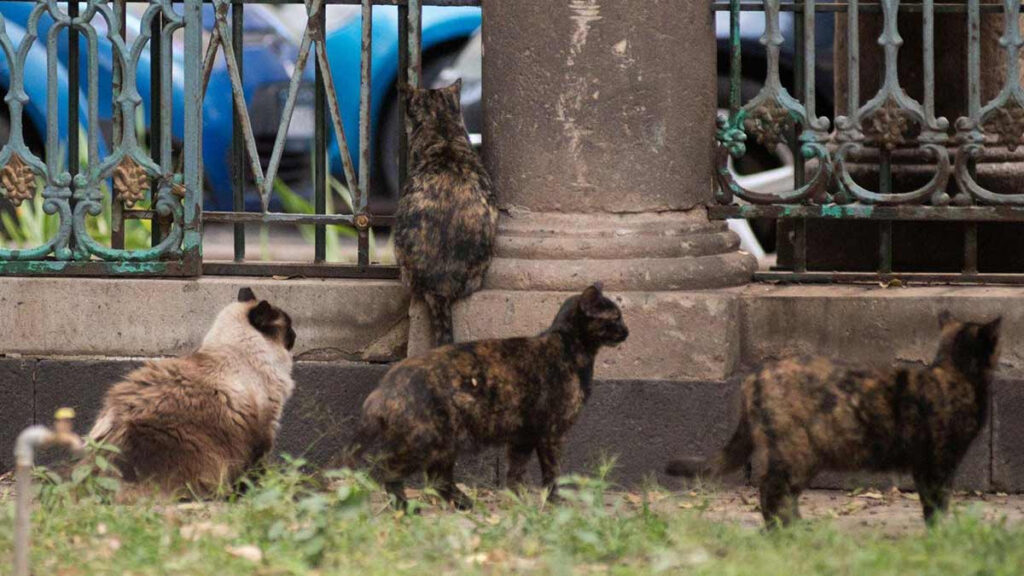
(674, 336)
(872, 325)
(334, 319)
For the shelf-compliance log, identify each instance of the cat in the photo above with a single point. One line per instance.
(195, 424)
(803, 415)
(446, 220)
(522, 392)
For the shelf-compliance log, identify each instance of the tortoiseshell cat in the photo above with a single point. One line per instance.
(803, 415)
(446, 220)
(522, 392)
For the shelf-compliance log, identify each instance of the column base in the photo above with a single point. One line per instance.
(653, 264)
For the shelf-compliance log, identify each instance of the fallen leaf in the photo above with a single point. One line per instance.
(247, 552)
(852, 507)
(871, 495)
(198, 530)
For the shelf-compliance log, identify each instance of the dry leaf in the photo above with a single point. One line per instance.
(872, 495)
(247, 552)
(852, 507)
(198, 530)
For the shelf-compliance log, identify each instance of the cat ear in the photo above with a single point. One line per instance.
(455, 87)
(246, 295)
(991, 330)
(590, 297)
(262, 316)
(944, 318)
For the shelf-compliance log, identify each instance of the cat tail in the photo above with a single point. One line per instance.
(735, 454)
(440, 319)
(354, 456)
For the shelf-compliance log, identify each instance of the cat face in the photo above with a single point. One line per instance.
(425, 105)
(970, 345)
(269, 320)
(599, 319)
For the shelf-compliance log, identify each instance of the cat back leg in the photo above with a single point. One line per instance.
(779, 498)
(518, 457)
(442, 474)
(933, 489)
(549, 453)
(396, 489)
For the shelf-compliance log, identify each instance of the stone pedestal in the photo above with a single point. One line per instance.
(599, 133)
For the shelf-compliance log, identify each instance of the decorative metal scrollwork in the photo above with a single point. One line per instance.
(770, 116)
(1000, 121)
(126, 165)
(889, 116)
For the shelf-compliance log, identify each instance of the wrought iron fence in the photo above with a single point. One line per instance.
(876, 134)
(159, 181)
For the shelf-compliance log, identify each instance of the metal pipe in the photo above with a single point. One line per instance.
(28, 441)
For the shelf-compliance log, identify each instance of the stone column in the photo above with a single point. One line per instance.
(598, 133)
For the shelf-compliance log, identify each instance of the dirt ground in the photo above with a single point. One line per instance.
(893, 512)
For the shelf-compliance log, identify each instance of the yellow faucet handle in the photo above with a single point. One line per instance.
(64, 414)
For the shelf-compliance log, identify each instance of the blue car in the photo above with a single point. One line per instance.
(446, 31)
(267, 57)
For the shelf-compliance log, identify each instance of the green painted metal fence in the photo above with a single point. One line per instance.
(881, 129)
(74, 191)
(149, 180)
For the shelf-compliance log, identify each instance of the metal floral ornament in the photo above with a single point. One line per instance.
(18, 180)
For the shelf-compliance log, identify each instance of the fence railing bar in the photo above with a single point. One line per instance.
(804, 84)
(193, 110)
(970, 248)
(74, 87)
(924, 278)
(299, 270)
(238, 137)
(867, 7)
(403, 85)
(282, 218)
(735, 59)
(365, 78)
(116, 207)
(319, 143)
(871, 212)
(156, 114)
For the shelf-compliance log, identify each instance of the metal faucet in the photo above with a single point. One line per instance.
(29, 440)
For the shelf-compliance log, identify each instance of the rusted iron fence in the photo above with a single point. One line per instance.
(140, 174)
(848, 167)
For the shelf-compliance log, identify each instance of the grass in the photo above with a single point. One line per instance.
(340, 524)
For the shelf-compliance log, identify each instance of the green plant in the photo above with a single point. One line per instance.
(30, 225)
(335, 235)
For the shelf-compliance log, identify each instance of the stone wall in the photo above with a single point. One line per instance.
(648, 405)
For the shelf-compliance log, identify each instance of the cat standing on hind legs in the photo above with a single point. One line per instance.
(447, 219)
(803, 415)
